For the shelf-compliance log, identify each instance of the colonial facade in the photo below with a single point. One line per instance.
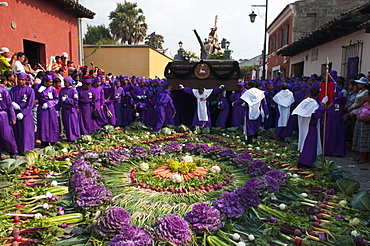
(296, 21)
(42, 28)
(138, 60)
(344, 42)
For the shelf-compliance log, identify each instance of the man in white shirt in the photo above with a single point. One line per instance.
(18, 66)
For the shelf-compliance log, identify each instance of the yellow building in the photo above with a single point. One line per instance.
(129, 60)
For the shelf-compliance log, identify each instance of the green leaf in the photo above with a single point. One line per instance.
(49, 151)
(9, 165)
(361, 201)
(347, 186)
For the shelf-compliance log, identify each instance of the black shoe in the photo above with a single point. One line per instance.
(300, 165)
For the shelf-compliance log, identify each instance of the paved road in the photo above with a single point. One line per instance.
(358, 172)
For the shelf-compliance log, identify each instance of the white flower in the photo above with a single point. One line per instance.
(54, 183)
(240, 244)
(304, 195)
(237, 136)
(354, 233)
(176, 178)
(282, 206)
(187, 158)
(295, 175)
(265, 151)
(236, 236)
(227, 136)
(342, 203)
(48, 194)
(144, 166)
(250, 148)
(65, 150)
(45, 206)
(38, 216)
(251, 237)
(257, 148)
(277, 154)
(355, 221)
(67, 159)
(215, 169)
(147, 133)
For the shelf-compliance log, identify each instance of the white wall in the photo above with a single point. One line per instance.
(333, 51)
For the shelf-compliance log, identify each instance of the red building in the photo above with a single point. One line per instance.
(42, 28)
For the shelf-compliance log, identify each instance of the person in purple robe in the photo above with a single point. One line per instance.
(284, 100)
(98, 103)
(118, 102)
(141, 95)
(335, 140)
(85, 107)
(7, 120)
(238, 112)
(47, 119)
(202, 114)
(149, 116)
(164, 100)
(253, 99)
(109, 98)
(224, 107)
(23, 98)
(68, 103)
(309, 141)
(126, 84)
(128, 108)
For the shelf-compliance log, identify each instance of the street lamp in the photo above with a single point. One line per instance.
(180, 45)
(252, 17)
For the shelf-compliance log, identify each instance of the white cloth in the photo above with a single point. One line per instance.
(202, 103)
(304, 111)
(253, 97)
(18, 67)
(16, 106)
(284, 99)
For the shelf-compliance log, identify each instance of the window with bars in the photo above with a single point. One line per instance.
(286, 34)
(351, 59)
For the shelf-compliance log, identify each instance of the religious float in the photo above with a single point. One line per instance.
(208, 72)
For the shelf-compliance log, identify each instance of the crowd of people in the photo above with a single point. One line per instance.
(41, 107)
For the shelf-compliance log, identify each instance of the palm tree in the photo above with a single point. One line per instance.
(128, 23)
(155, 41)
(97, 34)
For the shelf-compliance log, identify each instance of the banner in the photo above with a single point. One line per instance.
(329, 92)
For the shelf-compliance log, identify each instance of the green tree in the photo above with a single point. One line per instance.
(128, 23)
(155, 41)
(96, 34)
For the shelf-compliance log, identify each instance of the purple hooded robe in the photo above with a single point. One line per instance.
(164, 100)
(7, 114)
(85, 108)
(69, 112)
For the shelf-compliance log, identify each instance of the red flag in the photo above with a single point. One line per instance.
(329, 92)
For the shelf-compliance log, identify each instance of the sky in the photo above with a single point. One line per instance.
(175, 20)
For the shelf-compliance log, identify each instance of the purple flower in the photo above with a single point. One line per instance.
(189, 147)
(248, 197)
(227, 153)
(272, 184)
(172, 228)
(360, 241)
(93, 196)
(203, 218)
(115, 157)
(243, 159)
(173, 147)
(229, 206)
(202, 148)
(156, 150)
(139, 151)
(280, 176)
(81, 180)
(256, 184)
(131, 235)
(112, 222)
(257, 168)
(215, 149)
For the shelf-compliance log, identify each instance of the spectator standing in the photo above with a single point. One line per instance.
(18, 66)
(5, 55)
(361, 135)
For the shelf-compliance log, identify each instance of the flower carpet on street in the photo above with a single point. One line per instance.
(132, 187)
